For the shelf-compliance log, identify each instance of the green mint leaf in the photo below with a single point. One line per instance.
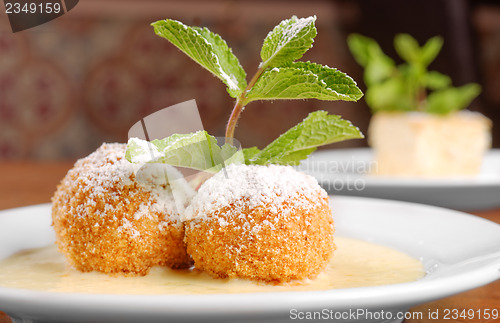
(304, 80)
(435, 80)
(317, 129)
(366, 50)
(288, 41)
(360, 47)
(379, 70)
(249, 153)
(197, 150)
(207, 49)
(452, 99)
(292, 158)
(390, 95)
(230, 155)
(407, 47)
(431, 49)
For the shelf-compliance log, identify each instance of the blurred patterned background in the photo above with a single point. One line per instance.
(86, 77)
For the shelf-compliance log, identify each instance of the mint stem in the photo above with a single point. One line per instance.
(240, 105)
(421, 97)
(233, 119)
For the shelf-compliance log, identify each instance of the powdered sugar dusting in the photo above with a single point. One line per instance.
(296, 28)
(254, 186)
(288, 33)
(145, 151)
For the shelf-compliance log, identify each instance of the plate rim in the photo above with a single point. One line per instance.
(308, 299)
(389, 181)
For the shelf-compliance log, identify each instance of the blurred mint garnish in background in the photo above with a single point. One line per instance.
(409, 86)
(279, 76)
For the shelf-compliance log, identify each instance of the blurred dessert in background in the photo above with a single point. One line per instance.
(421, 144)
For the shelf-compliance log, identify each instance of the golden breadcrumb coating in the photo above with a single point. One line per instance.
(266, 223)
(105, 220)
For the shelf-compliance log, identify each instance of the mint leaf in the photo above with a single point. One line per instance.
(230, 155)
(379, 70)
(361, 48)
(317, 129)
(390, 95)
(452, 99)
(288, 41)
(249, 153)
(365, 50)
(407, 47)
(292, 158)
(435, 80)
(197, 150)
(304, 80)
(431, 49)
(207, 49)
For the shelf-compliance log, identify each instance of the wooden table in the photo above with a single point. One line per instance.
(28, 183)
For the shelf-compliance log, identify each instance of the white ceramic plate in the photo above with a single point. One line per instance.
(346, 172)
(459, 252)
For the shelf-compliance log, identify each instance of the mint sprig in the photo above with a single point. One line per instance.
(278, 75)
